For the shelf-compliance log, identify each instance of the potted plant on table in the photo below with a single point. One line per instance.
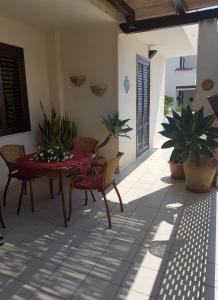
(58, 133)
(194, 141)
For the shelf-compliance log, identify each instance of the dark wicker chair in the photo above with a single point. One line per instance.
(10, 153)
(98, 182)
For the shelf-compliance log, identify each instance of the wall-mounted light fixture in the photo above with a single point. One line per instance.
(152, 51)
(98, 89)
(78, 80)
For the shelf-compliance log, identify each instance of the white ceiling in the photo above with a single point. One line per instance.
(172, 42)
(52, 14)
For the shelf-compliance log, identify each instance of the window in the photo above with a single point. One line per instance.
(14, 111)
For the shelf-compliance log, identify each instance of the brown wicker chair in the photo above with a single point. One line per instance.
(85, 144)
(98, 182)
(10, 153)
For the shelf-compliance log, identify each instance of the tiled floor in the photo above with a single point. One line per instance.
(162, 247)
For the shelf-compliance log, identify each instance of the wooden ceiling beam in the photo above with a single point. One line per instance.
(179, 6)
(126, 10)
(170, 21)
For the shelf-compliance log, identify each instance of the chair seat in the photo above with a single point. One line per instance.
(90, 182)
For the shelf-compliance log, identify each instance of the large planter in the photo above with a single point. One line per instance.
(177, 171)
(199, 176)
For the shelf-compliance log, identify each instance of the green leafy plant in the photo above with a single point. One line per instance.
(115, 127)
(168, 102)
(57, 129)
(58, 133)
(190, 134)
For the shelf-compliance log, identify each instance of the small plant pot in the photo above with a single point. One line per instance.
(199, 176)
(177, 171)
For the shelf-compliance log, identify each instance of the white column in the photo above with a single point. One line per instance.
(207, 67)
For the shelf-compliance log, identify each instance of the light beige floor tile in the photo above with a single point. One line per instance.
(121, 250)
(142, 280)
(82, 260)
(145, 212)
(13, 290)
(124, 294)
(63, 282)
(36, 272)
(95, 289)
(134, 231)
(153, 256)
(12, 262)
(110, 269)
(40, 295)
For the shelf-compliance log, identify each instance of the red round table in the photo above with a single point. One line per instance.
(29, 167)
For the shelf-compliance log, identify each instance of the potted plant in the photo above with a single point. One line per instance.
(58, 133)
(115, 127)
(194, 141)
(176, 168)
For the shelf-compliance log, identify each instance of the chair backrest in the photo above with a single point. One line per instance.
(110, 168)
(10, 153)
(85, 144)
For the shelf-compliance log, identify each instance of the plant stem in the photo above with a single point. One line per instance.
(105, 141)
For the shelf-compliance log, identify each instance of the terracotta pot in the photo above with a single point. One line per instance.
(177, 171)
(199, 176)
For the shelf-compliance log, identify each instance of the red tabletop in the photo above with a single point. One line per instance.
(27, 164)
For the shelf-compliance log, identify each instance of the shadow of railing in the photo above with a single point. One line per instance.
(185, 276)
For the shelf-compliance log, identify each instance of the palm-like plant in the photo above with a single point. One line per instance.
(115, 127)
(190, 134)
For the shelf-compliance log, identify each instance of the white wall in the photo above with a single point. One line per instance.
(128, 47)
(91, 51)
(157, 94)
(34, 43)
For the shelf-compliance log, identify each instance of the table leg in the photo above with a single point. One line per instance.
(51, 188)
(70, 202)
(62, 197)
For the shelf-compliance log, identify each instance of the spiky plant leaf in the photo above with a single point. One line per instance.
(192, 134)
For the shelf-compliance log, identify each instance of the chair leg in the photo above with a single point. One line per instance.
(119, 197)
(93, 197)
(51, 186)
(21, 197)
(31, 196)
(6, 189)
(107, 209)
(1, 217)
(86, 199)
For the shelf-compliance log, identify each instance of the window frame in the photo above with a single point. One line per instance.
(7, 50)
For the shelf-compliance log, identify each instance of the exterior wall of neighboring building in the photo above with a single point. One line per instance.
(176, 77)
(33, 41)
